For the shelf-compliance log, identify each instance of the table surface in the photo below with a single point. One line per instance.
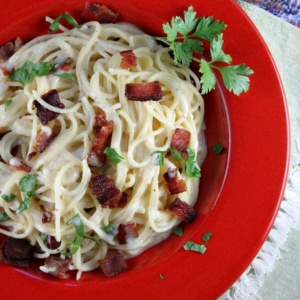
(274, 273)
(288, 10)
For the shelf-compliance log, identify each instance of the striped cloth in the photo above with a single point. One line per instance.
(288, 10)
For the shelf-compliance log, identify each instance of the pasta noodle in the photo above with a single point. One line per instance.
(141, 130)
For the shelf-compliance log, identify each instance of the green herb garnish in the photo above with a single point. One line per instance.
(29, 70)
(175, 154)
(44, 237)
(218, 148)
(191, 166)
(113, 155)
(27, 186)
(178, 230)
(4, 216)
(63, 75)
(186, 37)
(192, 246)
(108, 229)
(206, 236)
(54, 26)
(75, 243)
(159, 157)
(7, 103)
(8, 198)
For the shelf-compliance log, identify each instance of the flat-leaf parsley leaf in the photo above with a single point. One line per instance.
(186, 37)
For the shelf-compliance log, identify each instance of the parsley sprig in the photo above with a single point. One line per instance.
(186, 37)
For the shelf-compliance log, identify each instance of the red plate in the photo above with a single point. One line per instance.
(241, 189)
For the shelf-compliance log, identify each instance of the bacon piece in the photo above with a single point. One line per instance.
(16, 252)
(47, 217)
(52, 243)
(63, 65)
(180, 141)
(113, 263)
(45, 115)
(44, 138)
(123, 201)
(129, 59)
(105, 190)
(127, 231)
(56, 267)
(182, 210)
(103, 130)
(145, 91)
(174, 185)
(17, 165)
(6, 51)
(100, 13)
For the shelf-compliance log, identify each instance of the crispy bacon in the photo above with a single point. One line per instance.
(129, 59)
(145, 91)
(105, 190)
(56, 266)
(113, 263)
(6, 51)
(43, 140)
(45, 115)
(123, 201)
(127, 231)
(63, 65)
(182, 210)
(100, 13)
(103, 130)
(180, 140)
(47, 217)
(52, 243)
(16, 252)
(17, 165)
(174, 185)
(31, 155)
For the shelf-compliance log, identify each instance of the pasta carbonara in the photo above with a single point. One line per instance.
(141, 136)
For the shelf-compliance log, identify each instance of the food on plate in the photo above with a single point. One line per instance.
(101, 139)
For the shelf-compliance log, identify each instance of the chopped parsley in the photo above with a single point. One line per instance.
(8, 198)
(197, 247)
(54, 26)
(113, 155)
(178, 230)
(29, 70)
(192, 246)
(75, 243)
(218, 148)
(109, 229)
(27, 186)
(4, 216)
(159, 157)
(206, 236)
(190, 166)
(7, 103)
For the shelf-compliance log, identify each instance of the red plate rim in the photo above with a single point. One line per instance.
(256, 173)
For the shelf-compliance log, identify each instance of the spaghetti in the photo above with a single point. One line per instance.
(142, 131)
